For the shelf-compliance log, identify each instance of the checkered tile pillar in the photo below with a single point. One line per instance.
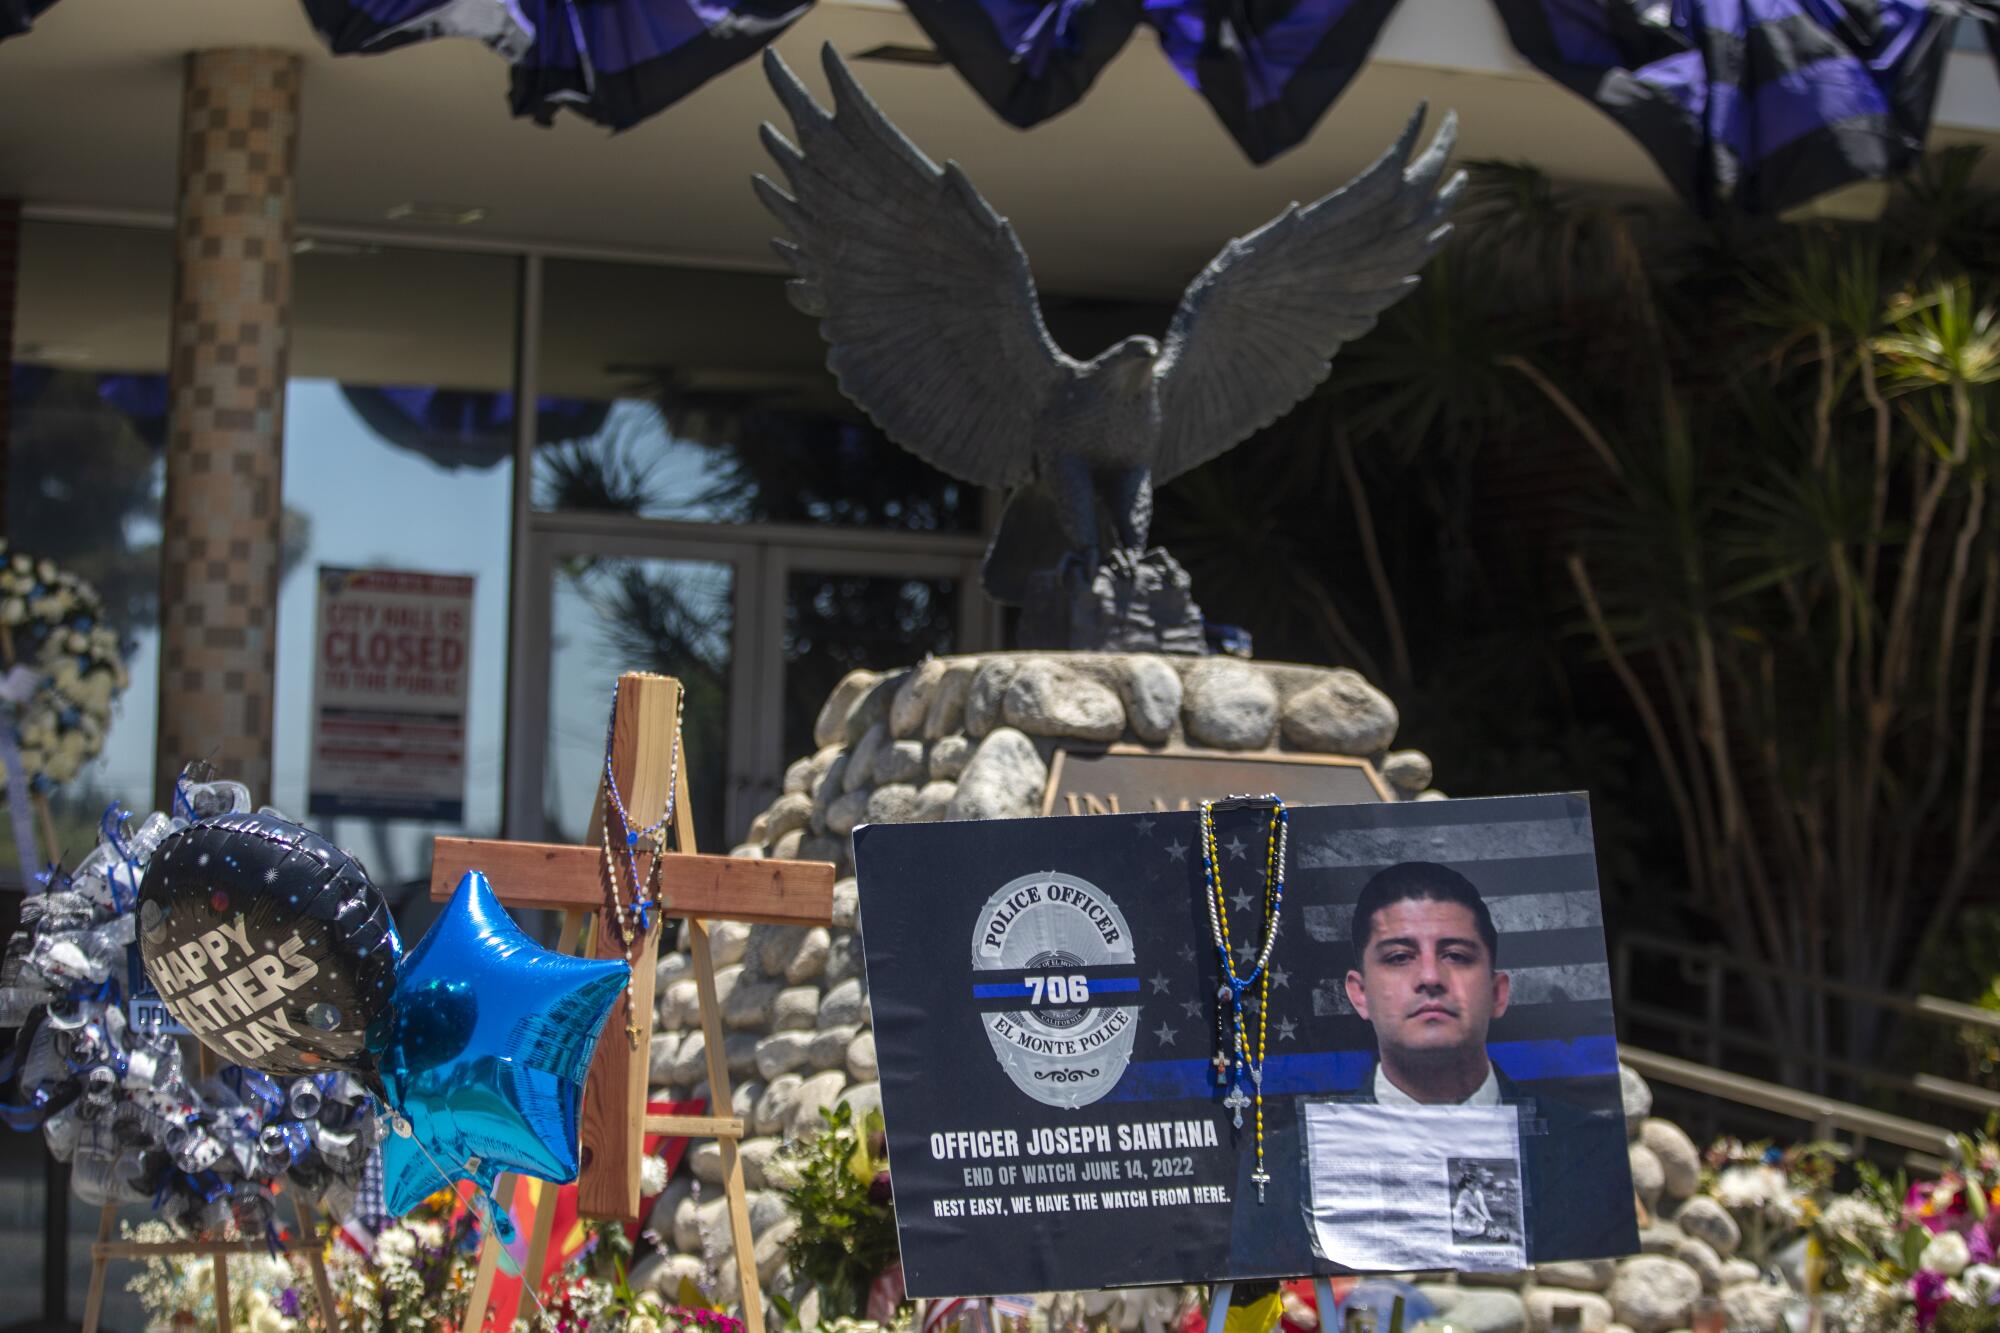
(225, 431)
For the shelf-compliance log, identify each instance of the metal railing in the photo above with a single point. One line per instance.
(1707, 1031)
(1920, 1145)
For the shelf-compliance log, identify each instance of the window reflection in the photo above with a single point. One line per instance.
(86, 424)
(400, 420)
(836, 623)
(717, 408)
(84, 477)
(364, 496)
(609, 616)
(744, 463)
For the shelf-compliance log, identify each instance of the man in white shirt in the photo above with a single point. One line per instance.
(1424, 977)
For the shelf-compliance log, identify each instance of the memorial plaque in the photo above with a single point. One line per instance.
(1129, 779)
(1428, 1078)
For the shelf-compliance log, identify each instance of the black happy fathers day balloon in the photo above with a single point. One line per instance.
(268, 942)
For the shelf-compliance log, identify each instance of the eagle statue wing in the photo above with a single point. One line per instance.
(922, 291)
(1256, 331)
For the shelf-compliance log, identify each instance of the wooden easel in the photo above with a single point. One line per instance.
(569, 879)
(104, 1249)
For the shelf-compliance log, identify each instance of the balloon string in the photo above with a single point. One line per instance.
(494, 1216)
(449, 1181)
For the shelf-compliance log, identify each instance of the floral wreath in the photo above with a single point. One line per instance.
(53, 623)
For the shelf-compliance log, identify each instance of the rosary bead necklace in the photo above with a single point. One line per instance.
(630, 923)
(1232, 1031)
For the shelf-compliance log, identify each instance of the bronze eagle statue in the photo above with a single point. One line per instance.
(934, 328)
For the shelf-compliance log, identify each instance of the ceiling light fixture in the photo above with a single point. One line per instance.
(436, 215)
(897, 53)
(312, 245)
(55, 354)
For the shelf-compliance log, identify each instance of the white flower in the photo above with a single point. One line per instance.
(652, 1176)
(1982, 1282)
(1946, 1254)
(395, 1248)
(1753, 1189)
(639, 1323)
(1854, 1219)
(268, 1320)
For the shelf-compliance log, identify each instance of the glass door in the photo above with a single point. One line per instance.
(758, 621)
(832, 611)
(613, 614)
(606, 598)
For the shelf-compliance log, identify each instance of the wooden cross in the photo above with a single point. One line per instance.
(570, 880)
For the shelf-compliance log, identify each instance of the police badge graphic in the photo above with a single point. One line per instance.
(1057, 987)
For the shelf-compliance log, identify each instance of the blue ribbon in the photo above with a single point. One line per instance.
(111, 827)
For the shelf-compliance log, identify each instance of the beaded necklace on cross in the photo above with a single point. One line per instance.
(1231, 1031)
(630, 923)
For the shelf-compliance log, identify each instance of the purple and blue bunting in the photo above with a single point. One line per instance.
(1750, 106)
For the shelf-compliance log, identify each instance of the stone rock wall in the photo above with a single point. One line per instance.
(970, 738)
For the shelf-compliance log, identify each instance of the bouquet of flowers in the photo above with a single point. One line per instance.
(1772, 1192)
(414, 1275)
(845, 1245)
(1899, 1257)
(267, 1294)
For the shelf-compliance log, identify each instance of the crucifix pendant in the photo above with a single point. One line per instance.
(1221, 1063)
(1236, 1101)
(1260, 1178)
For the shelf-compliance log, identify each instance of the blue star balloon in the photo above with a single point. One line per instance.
(483, 1053)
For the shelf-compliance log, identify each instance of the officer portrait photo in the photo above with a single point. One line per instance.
(1492, 1072)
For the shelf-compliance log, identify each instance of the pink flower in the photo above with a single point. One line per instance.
(1938, 1205)
(1928, 1290)
(1979, 1240)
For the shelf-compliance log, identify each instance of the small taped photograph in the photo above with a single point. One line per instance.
(1485, 1201)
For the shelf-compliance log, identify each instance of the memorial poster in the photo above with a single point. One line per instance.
(390, 690)
(1443, 1094)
